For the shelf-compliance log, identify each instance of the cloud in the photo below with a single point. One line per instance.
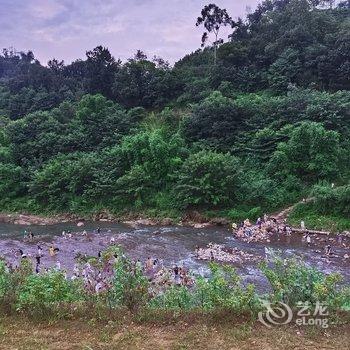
(65, 29)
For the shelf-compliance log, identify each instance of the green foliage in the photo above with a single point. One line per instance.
(311, 154)
(174, 298)
(153, 157)
(207, 178)
(5, 281)
(214, 121)
(272, 116)
(223, 291)
(329, 209)
(11, 183)
(292, 281)
(38, 293)
(330, 200)
(240, 214)
(314, 220)
(130, 287)
(62, 180)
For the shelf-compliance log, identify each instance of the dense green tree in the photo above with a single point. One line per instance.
(215, 121)
(100, 69)
(311, 154)
(208, 178)
(62, 182)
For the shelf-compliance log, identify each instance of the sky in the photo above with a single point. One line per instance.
(66, 29)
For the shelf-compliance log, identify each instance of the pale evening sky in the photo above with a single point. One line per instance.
(66, 29)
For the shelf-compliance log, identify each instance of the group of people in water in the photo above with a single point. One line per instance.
(261, 230)
(39, 254)
(97, 279)
(267, 226)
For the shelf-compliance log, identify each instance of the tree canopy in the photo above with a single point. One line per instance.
(259, 129)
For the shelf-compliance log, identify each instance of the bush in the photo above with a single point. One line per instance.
(5, 284)
(40, 292)
(312, 153)
(174, 298)
(330, 200)
(130, 286)
(215, 122)
(292, 281)
(222, 290)
(207, 178)
(241, 213)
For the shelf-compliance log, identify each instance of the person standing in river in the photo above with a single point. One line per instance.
(23, 256)
(212, 258)
(308, 239)
(328, 250)
(39, 251)
(38, 261)
(53, 251)
(31, 236)
(177, 278)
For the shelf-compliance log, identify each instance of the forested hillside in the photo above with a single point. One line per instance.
(264, 126)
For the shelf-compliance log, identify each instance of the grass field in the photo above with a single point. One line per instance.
(22, 334)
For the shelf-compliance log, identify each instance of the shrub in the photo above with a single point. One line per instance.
(222, 290)
(207, 178)
(332, 200)
(40, 292)
(292, 281)
(174, 298)
(130, 286)
(5, 285)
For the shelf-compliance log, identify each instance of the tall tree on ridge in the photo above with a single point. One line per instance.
(213, 18)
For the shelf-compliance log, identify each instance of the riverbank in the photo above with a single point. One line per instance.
(21, 333)
(293, 215)
(189, 218)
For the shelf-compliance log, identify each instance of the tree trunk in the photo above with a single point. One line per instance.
(215, 49)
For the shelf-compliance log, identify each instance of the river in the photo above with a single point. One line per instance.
(173, 245)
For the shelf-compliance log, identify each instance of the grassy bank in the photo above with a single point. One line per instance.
(317, 221)
(21, 333)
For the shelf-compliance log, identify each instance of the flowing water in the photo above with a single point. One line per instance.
(172, 245)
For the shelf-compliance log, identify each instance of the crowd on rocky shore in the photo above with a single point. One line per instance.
(216, 252)
(261, 230)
